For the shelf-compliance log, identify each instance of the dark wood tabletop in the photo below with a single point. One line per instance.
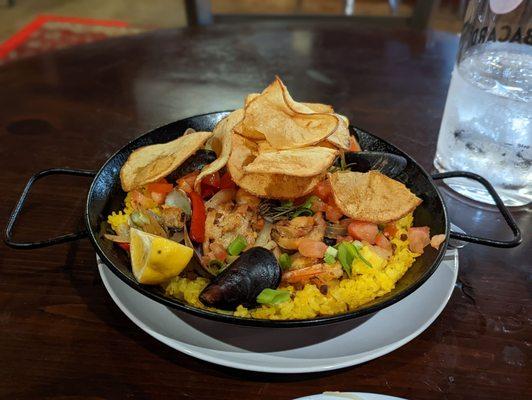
(62, 336)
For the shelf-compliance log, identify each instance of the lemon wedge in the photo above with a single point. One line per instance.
(155, 259)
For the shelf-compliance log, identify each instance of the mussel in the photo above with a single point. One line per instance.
(387, 163)
(255, 270)
(195, 162)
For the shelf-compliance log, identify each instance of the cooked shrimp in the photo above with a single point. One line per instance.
(288, 233)
(318, 273)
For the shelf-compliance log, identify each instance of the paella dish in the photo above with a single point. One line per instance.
(264, 218)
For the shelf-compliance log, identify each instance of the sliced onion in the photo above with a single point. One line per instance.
(178, 198)
(116, 238)
(223, 196)
(264, 235)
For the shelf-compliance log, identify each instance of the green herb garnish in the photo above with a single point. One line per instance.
(346, 256)
(273, 296)
(274, 211)
(237, 245)
(362, 258)
(285, 261)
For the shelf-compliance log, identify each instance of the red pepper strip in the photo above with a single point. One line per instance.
(124, 246)
(212, 180)
(226, 182)
(197, 223)
(210, 185)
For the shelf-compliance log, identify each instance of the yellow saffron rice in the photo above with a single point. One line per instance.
(344, 295)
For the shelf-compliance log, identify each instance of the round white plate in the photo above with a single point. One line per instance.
(348, 395)
(290, 350)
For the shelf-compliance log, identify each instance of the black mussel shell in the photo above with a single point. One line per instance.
(387, 163)
(255, 270)
(195, 162)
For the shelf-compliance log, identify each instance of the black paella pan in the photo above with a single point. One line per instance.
(105, 195)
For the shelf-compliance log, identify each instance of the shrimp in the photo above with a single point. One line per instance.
(288, 233)
(317, 273)
(224, 223)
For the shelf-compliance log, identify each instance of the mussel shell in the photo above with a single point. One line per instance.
(387, 163)
(195, 162)
(255, 270)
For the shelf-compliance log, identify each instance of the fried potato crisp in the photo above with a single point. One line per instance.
(307, 161)
(285, 123)
(371, 196)
(274, 186)
(151, 163)
(221, 142)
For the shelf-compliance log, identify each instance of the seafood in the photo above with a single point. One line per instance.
(288, 233)
(255, 270)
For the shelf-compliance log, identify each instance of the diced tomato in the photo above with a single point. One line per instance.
(186, 183)
(390, 229)
(124, 246)
(323, 190)
(437, 240)
(158, 197)
(197, 222)
(312, 248)
(363, 231)
(333, 213)
(353, 144)
(159, 187)
(418, 238)
(383, 242)
(218, 251)
(226, 182)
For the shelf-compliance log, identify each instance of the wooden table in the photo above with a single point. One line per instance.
(60, 333)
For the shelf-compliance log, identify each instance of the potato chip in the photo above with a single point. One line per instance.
(151, 163)
(221, 141)
(274, 186)
(340, 137)
(264, 146)
(307, 161)
(371, 196)
(319, 108)
(285, 123)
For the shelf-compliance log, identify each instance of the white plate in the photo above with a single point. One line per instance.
(290, 350)
(348, 395)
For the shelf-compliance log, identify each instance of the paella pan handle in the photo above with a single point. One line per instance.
(18, 209)
(498, 202)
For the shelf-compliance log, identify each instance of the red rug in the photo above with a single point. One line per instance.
(50, 32)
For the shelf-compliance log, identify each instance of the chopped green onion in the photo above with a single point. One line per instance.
(330, 255)
(273, 296)
(285, 261)
(237, 245)
(329, 259)
(331, 251)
